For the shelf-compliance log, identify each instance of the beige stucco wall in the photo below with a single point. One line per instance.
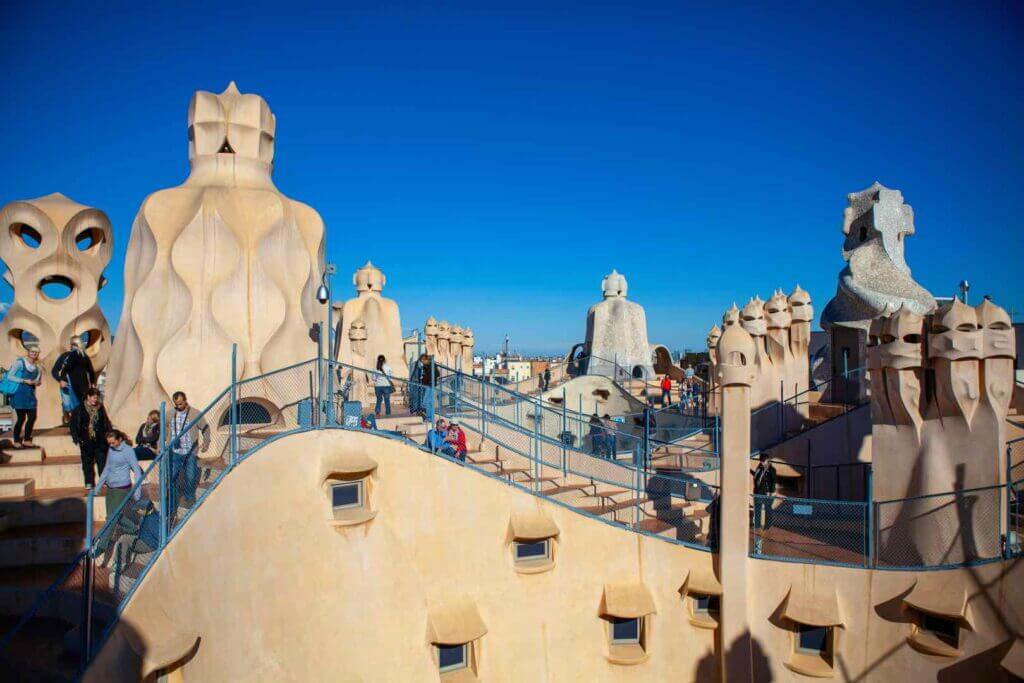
(275, 592)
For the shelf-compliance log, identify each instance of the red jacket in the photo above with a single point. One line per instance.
(666, 383)
(460, 441)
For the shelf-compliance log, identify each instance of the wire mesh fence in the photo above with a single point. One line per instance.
(810, 530)
(940, 530)
(1014, 547)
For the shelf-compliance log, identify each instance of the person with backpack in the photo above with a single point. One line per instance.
(22, 379)
(666, 391)
(74, 371)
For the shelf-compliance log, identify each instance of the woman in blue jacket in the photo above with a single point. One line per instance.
(25, 372)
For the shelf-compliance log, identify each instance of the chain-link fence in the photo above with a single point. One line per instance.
(940, 530)
(810, 530)
(1014, 546)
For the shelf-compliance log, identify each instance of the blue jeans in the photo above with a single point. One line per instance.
(184, 477)
(610, 446)
(383, 394)
(596, 444)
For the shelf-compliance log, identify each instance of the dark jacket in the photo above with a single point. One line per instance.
(148, 435)
(79, 426)
(75, 368)
(427, 375)
(764, 479)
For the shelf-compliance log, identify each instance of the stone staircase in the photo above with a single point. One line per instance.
(655, 511)
(42, 529)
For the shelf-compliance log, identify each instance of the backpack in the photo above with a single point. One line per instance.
(7, 385)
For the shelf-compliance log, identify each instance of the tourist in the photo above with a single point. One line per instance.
(547, 378)
(26, 375)
(666, 391)
(764, 490)
(415, 385)
(457, 440)
(89, 425)
(437, 438)
(74, 370)
(120, 464)
(187, 429)
(147, 439)
(596, 435)
(611, 430)
(688, 372)
(383, 386)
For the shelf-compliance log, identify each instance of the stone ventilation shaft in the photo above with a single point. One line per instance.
(369, 325)
(781, 331)
(940, 392)
(450, 345)
(55, 251)
(222, 259)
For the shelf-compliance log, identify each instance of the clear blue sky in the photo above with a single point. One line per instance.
(496, 162)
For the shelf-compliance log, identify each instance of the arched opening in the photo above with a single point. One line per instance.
(250, 412)
(26, 234)
(89, 238)
(56, 287)
(638, 372)
(21, 340)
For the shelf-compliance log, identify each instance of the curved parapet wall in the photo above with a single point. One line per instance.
(55, 250)
(222, 259)
(326, 599)
(267, 582)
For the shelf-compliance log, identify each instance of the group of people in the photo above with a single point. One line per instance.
(689, 392)
(603, 436)
(73, 371)
(105, 451)
(447, 438)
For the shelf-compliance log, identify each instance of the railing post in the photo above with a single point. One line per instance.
(869, 555)
(537, 445)
(1005, 518)
(163, 478)
(87, 581)
(483, 411)
(565, 435)
(233, 433)
(317, 400)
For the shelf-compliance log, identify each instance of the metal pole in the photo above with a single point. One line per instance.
(869, 550)
(317, 404)
(565, 436)
(87, 581)
(162, 475)
(233, 434)
(1008, 491)
(483, 412)
(537, 416)
(332, 417)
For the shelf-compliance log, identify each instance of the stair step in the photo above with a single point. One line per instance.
(51, 473)
(11, 488)
(41, 544)
(59, 506)
(565, 488)
(21, 456)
